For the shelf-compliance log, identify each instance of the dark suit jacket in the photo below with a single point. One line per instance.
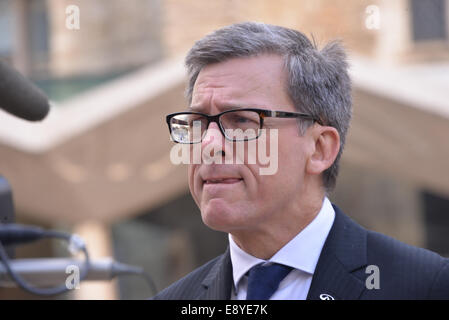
(405, 272)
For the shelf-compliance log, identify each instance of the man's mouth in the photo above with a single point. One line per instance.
(222, 180)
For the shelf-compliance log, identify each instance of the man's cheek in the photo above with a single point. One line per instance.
(196, 195)
(193, 185)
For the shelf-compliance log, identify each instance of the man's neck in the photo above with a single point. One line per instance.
(264, 241)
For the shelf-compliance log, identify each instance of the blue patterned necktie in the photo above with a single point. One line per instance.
(263, 281)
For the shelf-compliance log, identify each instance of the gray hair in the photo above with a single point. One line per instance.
(318, 80)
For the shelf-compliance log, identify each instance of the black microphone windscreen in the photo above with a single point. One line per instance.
(20, 96)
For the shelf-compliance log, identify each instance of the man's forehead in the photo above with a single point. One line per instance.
(223, 93)
(226, 99)
(244, 65)
(239, 82)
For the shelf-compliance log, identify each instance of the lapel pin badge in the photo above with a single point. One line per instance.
(325, 296)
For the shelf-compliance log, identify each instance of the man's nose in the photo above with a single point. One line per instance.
(213, 139)
(213, 134)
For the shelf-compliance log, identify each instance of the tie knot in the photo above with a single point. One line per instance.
(263, 280)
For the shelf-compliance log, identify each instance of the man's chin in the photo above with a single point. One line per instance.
(219, 218)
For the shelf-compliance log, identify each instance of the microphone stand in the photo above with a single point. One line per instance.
(52, 271)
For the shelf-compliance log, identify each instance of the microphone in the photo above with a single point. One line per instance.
(56, 271)
(20, 97)
(47, 272)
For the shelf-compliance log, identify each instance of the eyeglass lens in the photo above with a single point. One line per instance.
(238, 125)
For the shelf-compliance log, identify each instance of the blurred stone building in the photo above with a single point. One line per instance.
(99, 164)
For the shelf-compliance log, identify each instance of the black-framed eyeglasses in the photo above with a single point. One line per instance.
(242, 124)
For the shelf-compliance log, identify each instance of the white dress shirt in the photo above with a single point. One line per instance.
(301, 253)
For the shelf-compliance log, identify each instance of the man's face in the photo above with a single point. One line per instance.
(235, 197)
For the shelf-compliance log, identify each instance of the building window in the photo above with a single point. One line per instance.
(429, 20)
(39, 34)
(6, 29)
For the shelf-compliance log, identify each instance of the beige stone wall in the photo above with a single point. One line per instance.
(117, 34)
(381, 202)
(113, 35)
(188, 20)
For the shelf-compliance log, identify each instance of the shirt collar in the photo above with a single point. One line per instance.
(302, 252)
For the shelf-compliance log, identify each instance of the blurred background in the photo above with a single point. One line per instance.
(99, 164)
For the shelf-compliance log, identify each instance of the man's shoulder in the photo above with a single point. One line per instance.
(384, 246)
(190, 286)
(407, 270)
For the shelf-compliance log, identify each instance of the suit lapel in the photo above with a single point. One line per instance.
(343, 254)
(337, 273)
(217, 283)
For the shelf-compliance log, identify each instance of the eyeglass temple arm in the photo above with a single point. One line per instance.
(286, 114)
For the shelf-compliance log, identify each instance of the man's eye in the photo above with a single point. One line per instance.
(241, 120)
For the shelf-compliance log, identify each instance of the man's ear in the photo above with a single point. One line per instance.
(325, 149)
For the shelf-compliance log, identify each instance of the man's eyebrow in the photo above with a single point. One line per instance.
(223, 107)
